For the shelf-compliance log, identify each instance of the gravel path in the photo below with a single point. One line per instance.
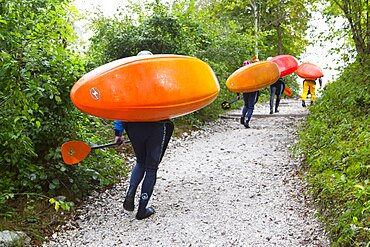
(222, 186)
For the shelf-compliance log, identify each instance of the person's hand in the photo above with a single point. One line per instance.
(119, 139)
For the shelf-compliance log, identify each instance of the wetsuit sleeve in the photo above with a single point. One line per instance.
(118, 127)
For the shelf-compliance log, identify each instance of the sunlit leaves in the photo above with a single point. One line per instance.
(37, 68)
(356, 14)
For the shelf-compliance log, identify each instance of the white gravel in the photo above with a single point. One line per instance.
(222, 186)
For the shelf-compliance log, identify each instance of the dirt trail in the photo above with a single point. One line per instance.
(222, 186)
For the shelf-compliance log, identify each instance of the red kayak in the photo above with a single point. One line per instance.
(309, 71)
(287, 64)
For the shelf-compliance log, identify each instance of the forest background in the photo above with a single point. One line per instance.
(41, 58)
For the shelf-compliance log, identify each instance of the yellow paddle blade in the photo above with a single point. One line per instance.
(74, 151)
(225, 105)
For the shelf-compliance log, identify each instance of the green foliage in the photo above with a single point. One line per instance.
(335, 142)
(37, 69)
(356, 13)
(281, 24)
(66, 206)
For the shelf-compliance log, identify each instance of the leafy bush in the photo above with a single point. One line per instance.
(37, 70)
(335, 142)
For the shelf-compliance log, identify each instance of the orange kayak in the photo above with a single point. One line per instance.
(309, 71)
(253, 77)
(287, 64)
(288, 91)
(146, 88)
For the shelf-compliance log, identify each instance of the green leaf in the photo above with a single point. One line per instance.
(359, 186)
(56, 206)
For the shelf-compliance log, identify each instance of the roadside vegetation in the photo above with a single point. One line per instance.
(335, 142)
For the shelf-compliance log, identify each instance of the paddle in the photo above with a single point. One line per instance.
(226, 105)
(76, 151)
(287, 91)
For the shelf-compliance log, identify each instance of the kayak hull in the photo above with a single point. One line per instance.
(287, 64)
(253, 77)
(146, 88)
(309, 71)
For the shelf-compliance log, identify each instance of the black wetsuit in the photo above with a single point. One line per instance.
(276, 89)
(149, 141)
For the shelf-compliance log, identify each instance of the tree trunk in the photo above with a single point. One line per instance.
(360, 34)
(278, 29)
(280, 41)
(255, 27)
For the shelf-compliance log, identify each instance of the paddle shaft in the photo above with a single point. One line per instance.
(108, 145)
(235, 100)
(226, 105)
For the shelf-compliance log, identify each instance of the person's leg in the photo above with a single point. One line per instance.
(156, 144)
(279, 92)
(304, 93)
(272, 95)
(146, 192)
(242, 118)
(252, 98)
(169, 131)
(245, 108)
(313, 92)
(138, 143)
(257, 97)
(135, 179)
(278, 97)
